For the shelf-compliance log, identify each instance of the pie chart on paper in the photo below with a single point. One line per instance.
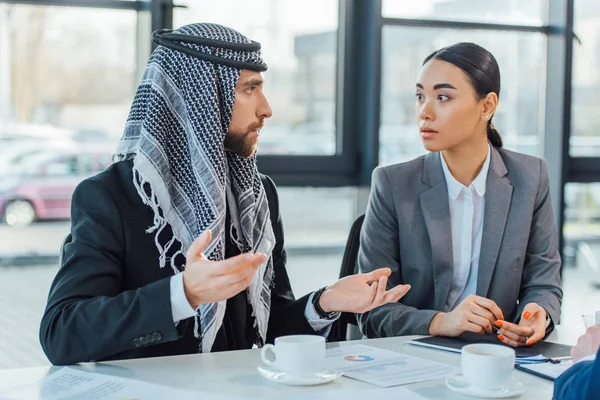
(359, 358)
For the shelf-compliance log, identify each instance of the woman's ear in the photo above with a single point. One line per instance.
(489, 104)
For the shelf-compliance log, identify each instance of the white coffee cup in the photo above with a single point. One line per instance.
(487, 366)
(297, 355)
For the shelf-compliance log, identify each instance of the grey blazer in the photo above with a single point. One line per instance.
(407, 228)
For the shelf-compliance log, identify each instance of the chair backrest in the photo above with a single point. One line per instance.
(346, 327)
(351, 250)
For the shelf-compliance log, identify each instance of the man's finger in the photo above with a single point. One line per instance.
(380, 291)
(231, 265)
(373, 287)
(239, 275)
(198, 246)
(378, 298)
(373, 291)
(395, 294)
(374, 276)
(490, 305)
(390, 296)
(236, 288)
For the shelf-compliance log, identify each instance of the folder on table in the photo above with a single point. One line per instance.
(537, 353)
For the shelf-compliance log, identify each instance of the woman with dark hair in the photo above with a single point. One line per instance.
(470, 225)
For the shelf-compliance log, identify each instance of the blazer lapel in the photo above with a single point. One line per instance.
(436, 212)
(498, 196)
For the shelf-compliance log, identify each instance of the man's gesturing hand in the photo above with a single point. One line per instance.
(206, 281)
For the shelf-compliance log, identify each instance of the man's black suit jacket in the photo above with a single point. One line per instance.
(111, 300)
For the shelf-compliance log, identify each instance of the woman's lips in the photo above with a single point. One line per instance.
(427, 133)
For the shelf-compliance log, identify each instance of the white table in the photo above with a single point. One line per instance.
(234, 373)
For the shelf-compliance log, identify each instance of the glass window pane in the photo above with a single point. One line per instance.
(585, 127)
(300, 46)
(519, 117)
(517, 12)
(67, 79)
(316, 224)
(581, 255)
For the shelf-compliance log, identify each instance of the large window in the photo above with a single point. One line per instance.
(67, 78)
(66, 72)
(519, 117)
(494, 11)
(300, 47)
(585, 126)
(582, 230)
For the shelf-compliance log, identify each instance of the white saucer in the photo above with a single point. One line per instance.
(459, 384)
(277, 376)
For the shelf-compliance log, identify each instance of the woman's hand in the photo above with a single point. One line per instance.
(531, 328)
(474, 314)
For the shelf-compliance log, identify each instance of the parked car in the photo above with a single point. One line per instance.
(42, 186)
(13, 153)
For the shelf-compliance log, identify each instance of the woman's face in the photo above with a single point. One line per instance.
(448, 110)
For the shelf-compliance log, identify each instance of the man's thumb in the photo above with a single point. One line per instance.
(198, 246)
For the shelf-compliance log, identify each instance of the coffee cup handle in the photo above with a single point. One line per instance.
(263, 355)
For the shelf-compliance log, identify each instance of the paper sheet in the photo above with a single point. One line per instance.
(548, 369)
(383, 367)
(71, 384)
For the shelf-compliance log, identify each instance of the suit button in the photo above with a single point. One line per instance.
(136, 342)
(157, 336)
(149, 339)
(143, 340)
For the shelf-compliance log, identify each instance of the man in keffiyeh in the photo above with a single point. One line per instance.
(178, 246)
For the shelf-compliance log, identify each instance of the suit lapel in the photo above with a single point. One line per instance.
(436, 212)
(498, 196)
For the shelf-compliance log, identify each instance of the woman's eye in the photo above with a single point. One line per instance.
(441, 97)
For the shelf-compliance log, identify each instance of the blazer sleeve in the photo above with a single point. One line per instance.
(380, 247)
(287, 314)
(541, 280)
(88, 317)
(580, 382)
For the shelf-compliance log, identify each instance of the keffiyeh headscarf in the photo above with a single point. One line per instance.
(175, 132)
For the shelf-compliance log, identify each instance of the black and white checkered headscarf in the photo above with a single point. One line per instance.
(175, 132)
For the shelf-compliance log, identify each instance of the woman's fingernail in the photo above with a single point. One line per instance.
(529, 342)
(498, 324)
(501, 337)
(526, 315)
(248, 258)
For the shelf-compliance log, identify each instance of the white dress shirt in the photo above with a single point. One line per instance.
(467, 206)
(181, 308)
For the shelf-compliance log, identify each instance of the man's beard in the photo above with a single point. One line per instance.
(241, 143)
